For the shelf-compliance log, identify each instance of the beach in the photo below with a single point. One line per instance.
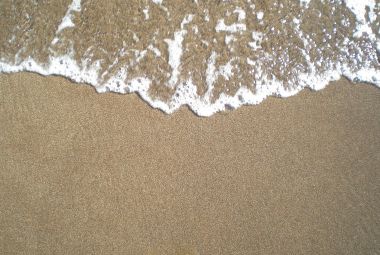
(89, 173)
(206, 55)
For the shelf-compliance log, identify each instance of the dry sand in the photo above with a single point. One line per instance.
(88, 173)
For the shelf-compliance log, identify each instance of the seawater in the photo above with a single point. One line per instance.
(209, 55)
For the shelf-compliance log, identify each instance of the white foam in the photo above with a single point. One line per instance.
(257, 38)
(146, 13)
(306, 3)
(157, 1)
(186, 91)
(241, 14)
(175, 50)
(67, 22)
(233, 28)
(210, 75)
(260, 15)
(358, 7)
(63, 66)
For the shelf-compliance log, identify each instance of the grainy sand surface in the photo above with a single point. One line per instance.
(88, 173)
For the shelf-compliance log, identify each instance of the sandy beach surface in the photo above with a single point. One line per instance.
(88, 173)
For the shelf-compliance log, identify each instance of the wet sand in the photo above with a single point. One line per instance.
(88, 173)
(210, 55)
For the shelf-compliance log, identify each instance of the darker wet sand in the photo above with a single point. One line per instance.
(84, 173)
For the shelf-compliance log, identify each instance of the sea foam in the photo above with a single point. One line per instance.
(357, 61)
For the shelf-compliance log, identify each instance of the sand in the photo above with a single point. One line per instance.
(88, 173)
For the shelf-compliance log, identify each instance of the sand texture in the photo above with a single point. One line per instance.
(88, 173)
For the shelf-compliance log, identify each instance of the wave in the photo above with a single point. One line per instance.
(209, 56)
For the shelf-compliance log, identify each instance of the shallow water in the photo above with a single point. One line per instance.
(210, 55)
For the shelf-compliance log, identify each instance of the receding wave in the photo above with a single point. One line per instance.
(209, 55)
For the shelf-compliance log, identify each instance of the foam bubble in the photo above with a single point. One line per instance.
(357, 60)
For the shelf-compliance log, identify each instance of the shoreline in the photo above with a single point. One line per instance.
(343, 79)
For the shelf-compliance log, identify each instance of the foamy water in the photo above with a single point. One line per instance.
(209, 56)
